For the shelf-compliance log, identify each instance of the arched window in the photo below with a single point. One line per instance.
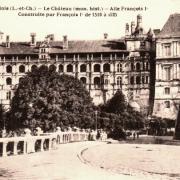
(21, 68)
(138, 80)
(61, 68)
(119, 68)
(33, 67)
(83, 68)
(97, 82)
(96, 68)
(69, 68)
(9, 69)
(138, 67)
(21, 79)
(106, 67)
(132, 66)
(83, 80)
(132, 80)
(9, 81)
(52, 68)
(119, 81)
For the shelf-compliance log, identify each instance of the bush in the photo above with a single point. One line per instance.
(117, 134)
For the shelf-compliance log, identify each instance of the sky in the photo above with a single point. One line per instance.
(86, 28)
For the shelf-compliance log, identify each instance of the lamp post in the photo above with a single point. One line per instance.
(96, 112)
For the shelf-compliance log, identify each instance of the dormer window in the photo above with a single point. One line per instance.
(43, 50)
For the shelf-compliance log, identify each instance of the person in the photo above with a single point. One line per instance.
(134, 135)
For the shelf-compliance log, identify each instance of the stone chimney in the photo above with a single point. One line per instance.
(1, 37)
(105, 36)
(7, 41)
(132, 27)
(127, 30)
(65, 42)
(33, 39)
(139, 21)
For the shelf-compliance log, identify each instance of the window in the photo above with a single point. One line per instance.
(106, 82)
(9, 81)
(21, 68)
(132, 66)
(147, 66)
(132, 80)
(167, 90)
(9, 69)
(52, 68)
(143, 80)
(138, 80)
(33, 67)
(83, 80)
(97, 82)
(96, 68)
(167, 49)
(167, 104)
(69, 68)
(119, 68)
(43, 50)
(83, 68)
(167, 73)
(21, 79)
(138, 68)
(147, 79)
(119, 81)
(106, 68)
(8, 95)
(61, 68)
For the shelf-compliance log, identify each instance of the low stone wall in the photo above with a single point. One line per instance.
(41, 142)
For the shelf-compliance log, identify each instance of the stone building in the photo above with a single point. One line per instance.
(104, 66)
(167, 86)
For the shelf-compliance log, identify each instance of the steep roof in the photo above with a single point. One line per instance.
(73, 47)
(171, 27)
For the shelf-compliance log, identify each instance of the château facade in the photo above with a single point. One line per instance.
(104, 66)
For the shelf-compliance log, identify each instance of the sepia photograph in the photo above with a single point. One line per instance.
(89, 90)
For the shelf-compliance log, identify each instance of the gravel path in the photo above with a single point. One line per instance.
(60, 164)
(138, 160)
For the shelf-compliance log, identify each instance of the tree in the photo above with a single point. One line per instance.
(46, 99)
(177, 126)
(2, 116)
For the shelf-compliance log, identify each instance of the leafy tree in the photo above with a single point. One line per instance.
(46, 99)
(2, 116)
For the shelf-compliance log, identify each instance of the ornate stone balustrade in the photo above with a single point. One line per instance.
(41, 142)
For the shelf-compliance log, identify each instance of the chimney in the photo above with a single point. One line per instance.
(1, 37)
(132, 27)
(33, 39)
(139, 21)
(65, 42)
(105, 36)
(7, 41)
(127, 30)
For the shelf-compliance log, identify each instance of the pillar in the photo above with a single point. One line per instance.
(15, 148)
(42, 143)
(4, 153)
(50, 141)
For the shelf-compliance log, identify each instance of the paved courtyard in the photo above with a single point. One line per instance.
(95, 160)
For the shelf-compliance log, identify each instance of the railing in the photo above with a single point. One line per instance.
(42, 142)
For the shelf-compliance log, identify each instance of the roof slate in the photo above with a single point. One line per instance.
(73, 47)
(171, 27)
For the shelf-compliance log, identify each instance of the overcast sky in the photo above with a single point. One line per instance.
(19, 28)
